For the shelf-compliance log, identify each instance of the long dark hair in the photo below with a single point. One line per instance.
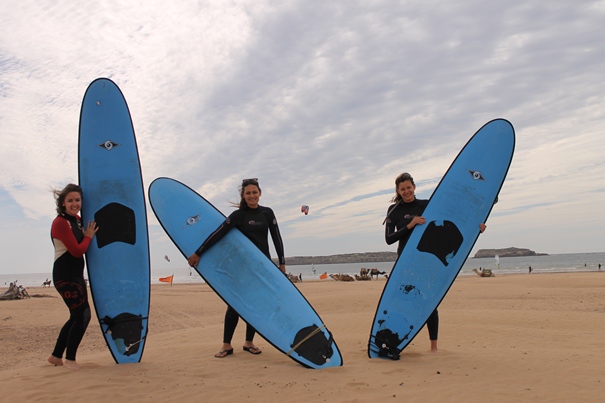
(60, 196)
(397, 198)
(245, 182)
(401, 178)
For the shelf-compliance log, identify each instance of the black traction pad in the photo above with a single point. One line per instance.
(441, 240)
(116, 223)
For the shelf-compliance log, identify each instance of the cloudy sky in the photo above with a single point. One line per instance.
(325, 102)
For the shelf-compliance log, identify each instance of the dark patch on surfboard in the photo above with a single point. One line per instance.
(316, 348)
(408, 288)
(441, 240)
(387, 342)
(125, 329)
(116, 223)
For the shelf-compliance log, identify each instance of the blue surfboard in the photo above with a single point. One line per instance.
(244, 277)
(436, 251)
(113, 195)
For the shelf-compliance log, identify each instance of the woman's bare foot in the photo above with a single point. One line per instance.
(71, 365)
(57, 362)
(434, 346)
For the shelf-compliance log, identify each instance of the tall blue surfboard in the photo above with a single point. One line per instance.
(436, 251)
(244, 277)
(113, 195)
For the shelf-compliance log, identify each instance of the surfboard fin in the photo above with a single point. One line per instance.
(311, 343)
(387, 344)
(125, 329)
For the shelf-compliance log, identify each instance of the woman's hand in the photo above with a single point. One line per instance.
(91, 229)
(193, 260)
(482, 227)
(417, 220)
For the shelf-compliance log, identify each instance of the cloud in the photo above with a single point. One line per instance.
(324, 102)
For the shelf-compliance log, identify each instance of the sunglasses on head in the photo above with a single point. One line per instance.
(251, 181)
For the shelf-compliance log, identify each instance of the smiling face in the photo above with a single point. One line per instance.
(251, 194)
(406, 191)
(72, 203)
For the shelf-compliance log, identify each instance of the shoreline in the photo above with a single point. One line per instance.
(507, 338)
(310, 279)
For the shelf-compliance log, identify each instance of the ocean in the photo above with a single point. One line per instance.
(558, 263)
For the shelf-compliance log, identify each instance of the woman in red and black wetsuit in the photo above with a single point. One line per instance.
(71, 242)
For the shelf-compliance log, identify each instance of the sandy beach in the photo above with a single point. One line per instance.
(508, 338)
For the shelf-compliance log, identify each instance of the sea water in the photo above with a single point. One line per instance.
(559, 263)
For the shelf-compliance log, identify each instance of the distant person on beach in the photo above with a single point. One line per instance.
(599, 266)
(530, 269)
(402, 216)
(255, 222)
(71, 241)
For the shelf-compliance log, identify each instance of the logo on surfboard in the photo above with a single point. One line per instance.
(192, 220)
(476, 175)
(108, 145)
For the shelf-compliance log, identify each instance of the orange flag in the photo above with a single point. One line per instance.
(324, 276)
(167, 279)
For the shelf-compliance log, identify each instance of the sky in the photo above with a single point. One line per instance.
(324, 102)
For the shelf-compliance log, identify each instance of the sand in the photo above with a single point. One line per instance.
(507, 338)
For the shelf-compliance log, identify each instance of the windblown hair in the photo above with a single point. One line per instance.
(401, 178)
(245, 182)
(60, 196)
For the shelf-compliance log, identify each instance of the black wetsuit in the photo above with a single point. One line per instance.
(255, 224)
(398, 217)
(68, 277)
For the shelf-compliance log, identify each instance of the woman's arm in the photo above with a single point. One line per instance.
(277, 242)
(61, 230)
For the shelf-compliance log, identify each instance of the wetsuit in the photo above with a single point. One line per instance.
(399, 215)
(68, 277)
(255, 224)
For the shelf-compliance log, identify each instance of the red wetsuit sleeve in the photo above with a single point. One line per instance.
(61, 230)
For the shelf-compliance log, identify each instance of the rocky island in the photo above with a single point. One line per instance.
(507, 252)
(366, 257)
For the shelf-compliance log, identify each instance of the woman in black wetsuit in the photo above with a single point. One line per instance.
(255, 222)
(402, 216)
(71, 242)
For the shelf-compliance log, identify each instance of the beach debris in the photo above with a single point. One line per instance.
(304, 209)
(15, 291)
